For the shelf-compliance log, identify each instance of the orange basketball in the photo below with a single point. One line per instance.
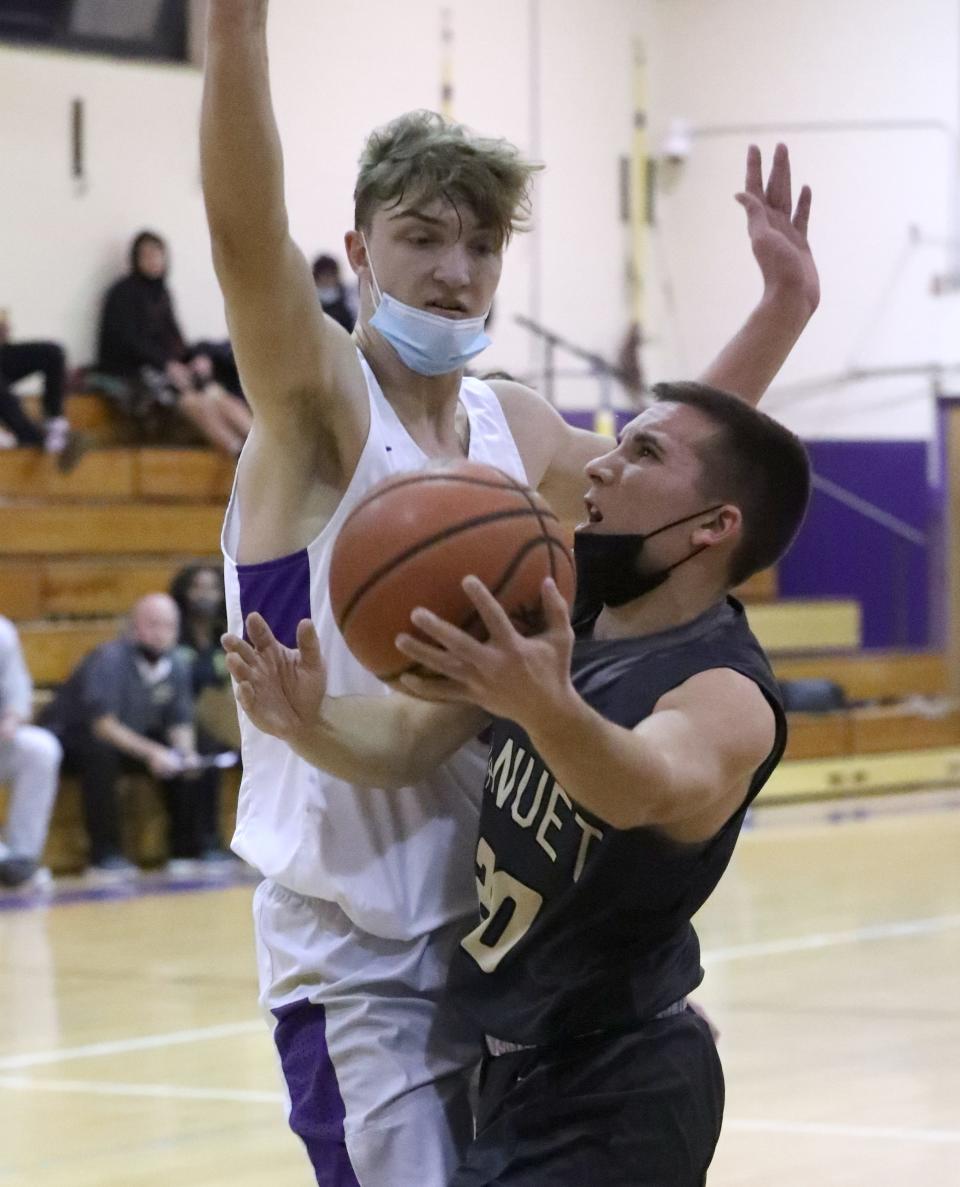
(413, 539)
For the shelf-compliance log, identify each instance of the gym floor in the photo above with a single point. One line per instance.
(132, 1054)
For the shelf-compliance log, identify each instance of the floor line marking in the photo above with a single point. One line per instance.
(121, 1046)
(161, 1091)
(895, 1133)
(857, 935)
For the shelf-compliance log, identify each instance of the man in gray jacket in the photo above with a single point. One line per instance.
(29, 765)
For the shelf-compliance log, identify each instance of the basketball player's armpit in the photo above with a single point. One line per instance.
(387, 742)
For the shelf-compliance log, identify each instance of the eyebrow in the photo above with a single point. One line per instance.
(419, 215)
(644, 437)
(432, 221)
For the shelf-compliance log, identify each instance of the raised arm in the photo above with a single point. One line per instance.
(557, 453)
(388, 741)
(748, 363)
(299, 369)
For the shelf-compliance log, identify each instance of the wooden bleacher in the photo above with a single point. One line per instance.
(77, 550)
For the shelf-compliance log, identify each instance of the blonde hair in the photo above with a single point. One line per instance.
(422, 155)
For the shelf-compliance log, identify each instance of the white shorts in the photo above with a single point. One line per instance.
(377, 1064)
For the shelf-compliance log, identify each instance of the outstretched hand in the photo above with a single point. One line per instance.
(777, 230)
(281, 689)
(509, 675)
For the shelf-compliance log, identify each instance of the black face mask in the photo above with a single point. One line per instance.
(608, 568)
(205, 606)
(150, 654)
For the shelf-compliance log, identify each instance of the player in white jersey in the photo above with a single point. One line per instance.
(364, 895)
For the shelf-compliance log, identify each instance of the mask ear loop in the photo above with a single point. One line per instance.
(377, 290)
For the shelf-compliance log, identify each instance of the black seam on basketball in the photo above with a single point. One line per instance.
(421, 545)
(551, 542)
(542, 514)
(472, 618)
(440, 476)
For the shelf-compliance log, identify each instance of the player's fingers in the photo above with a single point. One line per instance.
(778, 184)
(247, 699)
(449, 637)
(234, 645)
(238, 668)
(309, 643)
(436, 659)
(801, 219)
(756, 212)
(556, 612)
(258, 631)
(492, 614)
(753, 182)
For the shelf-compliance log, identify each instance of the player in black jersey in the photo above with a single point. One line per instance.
(622, 763)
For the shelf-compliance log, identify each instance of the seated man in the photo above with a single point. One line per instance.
(621, 766)
(29, 764)
(128, 707)
(18, 360)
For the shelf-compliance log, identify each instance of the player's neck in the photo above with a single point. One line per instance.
(428, 406)
(662, 609)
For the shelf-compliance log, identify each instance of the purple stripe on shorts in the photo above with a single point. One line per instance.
(280, 591)
(317, 1109)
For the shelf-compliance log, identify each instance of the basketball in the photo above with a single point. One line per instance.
(415, 536)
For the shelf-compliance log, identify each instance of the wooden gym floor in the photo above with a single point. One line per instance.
(131, 1053)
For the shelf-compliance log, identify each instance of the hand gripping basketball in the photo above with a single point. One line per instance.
(413, 539)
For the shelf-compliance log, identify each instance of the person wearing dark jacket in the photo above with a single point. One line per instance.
(141, 343)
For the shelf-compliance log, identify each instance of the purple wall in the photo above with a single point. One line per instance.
(839, 553)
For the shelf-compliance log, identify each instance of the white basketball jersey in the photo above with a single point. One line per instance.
(397, 862)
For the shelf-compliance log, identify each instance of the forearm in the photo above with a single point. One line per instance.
(183, 739)
(748, 363)
(111, 730)
(241, 157)
(386, 742)
(607, 769)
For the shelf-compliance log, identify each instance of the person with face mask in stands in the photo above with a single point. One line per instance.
(336, 300)
(198, 591)
(126, 708)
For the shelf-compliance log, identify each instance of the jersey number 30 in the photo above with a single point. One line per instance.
(508, 908)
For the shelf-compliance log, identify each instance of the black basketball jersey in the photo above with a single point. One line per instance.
(584, 926)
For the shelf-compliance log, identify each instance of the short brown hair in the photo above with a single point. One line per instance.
(424, 155)
(753, 462)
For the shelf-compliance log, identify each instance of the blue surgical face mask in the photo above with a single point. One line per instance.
(427, 343)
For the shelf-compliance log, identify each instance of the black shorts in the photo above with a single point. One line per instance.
(639, 1108)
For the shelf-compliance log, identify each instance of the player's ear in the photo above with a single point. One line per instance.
(723, 525)
(356, 247)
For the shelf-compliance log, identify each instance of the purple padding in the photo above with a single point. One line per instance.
(317, 1109)
(839, 553)
(280, 591)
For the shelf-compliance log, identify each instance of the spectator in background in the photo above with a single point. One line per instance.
(198, 591)
(29, 764)
(126, 708)
(17, 361)
(141, 344)
(335, 298)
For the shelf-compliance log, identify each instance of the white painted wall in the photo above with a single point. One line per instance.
(815, 74)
